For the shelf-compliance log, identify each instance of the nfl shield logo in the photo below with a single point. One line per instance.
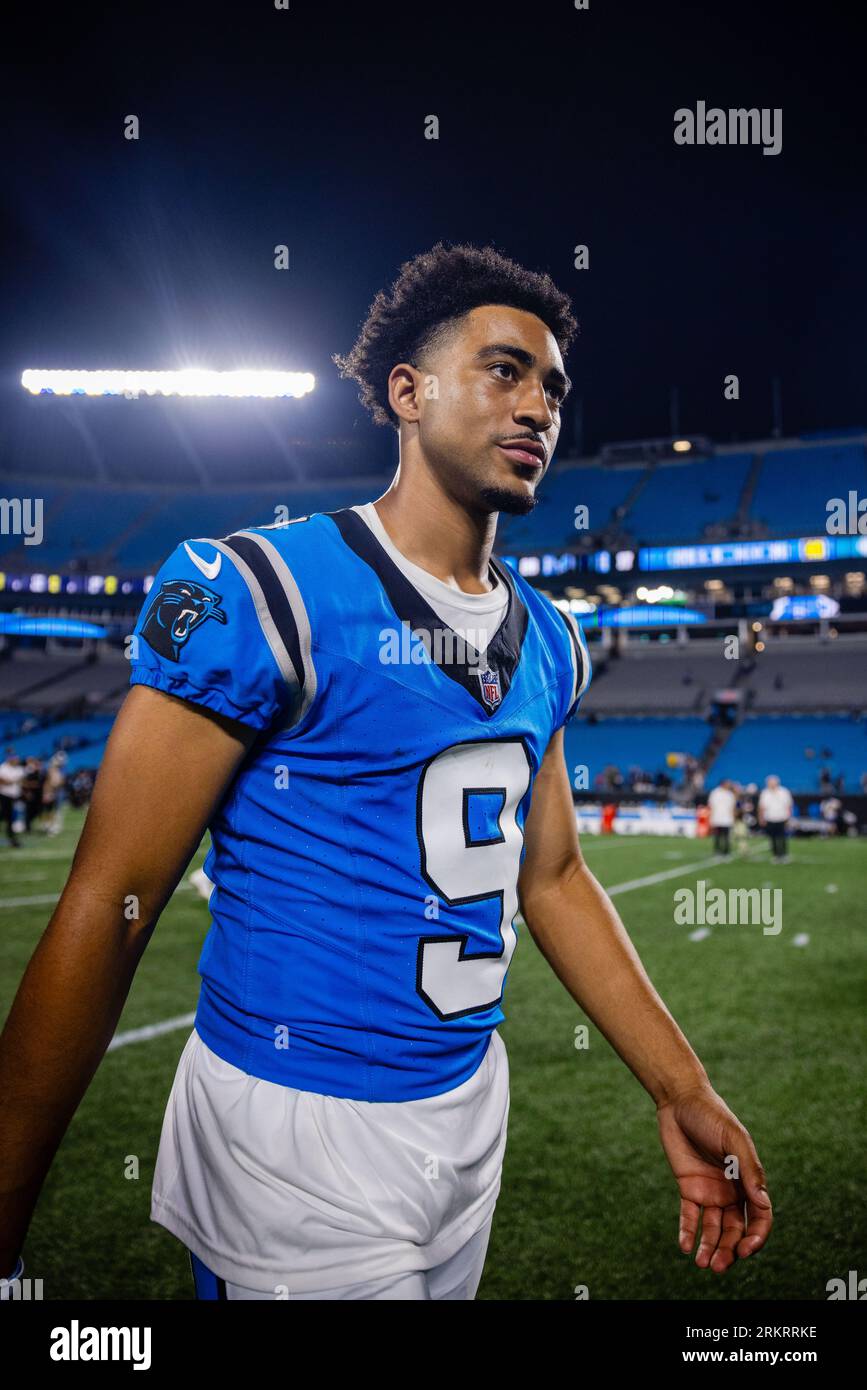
(490, 683)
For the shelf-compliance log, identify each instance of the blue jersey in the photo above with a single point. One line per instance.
(365, 857)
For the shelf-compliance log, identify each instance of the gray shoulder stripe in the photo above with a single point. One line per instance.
(579, 655)
(573, 652)
(286, 580)
(269, 628)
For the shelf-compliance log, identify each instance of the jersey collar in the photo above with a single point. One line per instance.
(488, 685)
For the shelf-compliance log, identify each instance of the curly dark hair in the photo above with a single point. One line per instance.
(431, 291)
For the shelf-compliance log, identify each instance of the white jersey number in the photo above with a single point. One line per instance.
(463, 869)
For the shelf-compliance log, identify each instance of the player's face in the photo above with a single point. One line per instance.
(492, 428)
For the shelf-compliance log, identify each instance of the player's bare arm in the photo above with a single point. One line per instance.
(575, 925)
(166, 767)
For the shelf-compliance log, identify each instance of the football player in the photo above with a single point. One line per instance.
(366, 708)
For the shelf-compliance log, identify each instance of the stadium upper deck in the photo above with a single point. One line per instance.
(772, 489)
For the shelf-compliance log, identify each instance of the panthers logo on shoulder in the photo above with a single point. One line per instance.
(178, 609)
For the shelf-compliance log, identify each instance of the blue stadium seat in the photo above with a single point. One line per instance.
(795, 486)
(766, 744)
(551, 525)
(624, 743)
(680, 501)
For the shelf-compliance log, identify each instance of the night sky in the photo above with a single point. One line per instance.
(261, 126)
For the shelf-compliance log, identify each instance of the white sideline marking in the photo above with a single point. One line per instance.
(43, 899)
(718, 859)
(15, 855)
(36, 900)
(663, 874)
(590, 841)
(152, 1030)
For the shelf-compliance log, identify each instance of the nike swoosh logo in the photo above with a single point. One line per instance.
(210, 568)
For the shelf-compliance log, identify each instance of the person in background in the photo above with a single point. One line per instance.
(11, 777)
(740, 833)
(54, 793)
(721, 804)
(775, 810)
(31, 790)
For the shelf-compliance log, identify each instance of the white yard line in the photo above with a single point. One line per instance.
(677, 872)
(35, 900)
(15, 855)
(681, 869)
(43, 899)
(152, 1030)
(589, 841)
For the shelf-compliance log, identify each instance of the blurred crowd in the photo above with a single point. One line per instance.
(34, 793)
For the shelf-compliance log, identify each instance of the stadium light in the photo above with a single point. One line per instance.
(638, 451)
(661, 593)
(191, 381)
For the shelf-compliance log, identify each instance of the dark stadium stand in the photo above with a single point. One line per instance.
(678, 503)
(767, 490)
(794, 486)
(675, 679)
(797, 674)
(552, 524)
(133, 530)
(624, 743)
(796, 748)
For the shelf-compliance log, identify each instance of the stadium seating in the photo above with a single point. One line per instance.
(678, 503)
(49, 682)
(131, 530)
(624, 743)
(45, 741)
(12, 721)
(804, 676)
(551, 525)
(795, 486)
(766, 744)
(657, 678)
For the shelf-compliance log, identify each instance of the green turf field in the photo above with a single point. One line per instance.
(587, 1196)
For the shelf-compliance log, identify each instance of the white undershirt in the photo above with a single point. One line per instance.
(474, 617)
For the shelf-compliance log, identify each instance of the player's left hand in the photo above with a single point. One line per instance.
(700, 1136)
